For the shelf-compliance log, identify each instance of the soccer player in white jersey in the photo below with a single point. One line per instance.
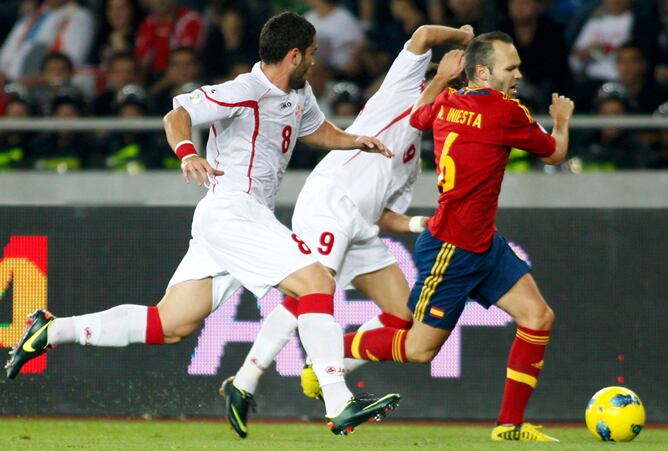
(341, 207)
(236, 239)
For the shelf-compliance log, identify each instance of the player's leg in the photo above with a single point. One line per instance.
(389, 290)
(534, 319)
(178, 314)
(511, 288)
(443, 283)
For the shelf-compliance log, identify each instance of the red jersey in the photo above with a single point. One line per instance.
(156, 38)
(474, 130)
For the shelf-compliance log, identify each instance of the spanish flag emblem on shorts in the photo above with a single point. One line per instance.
(437, 312)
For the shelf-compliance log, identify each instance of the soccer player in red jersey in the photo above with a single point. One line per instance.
(461, 255)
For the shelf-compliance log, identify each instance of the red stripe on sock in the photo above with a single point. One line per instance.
(389, 320)
(154, 333)
(316, 303)
(291, 305)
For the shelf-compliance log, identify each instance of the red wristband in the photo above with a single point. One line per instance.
(185, 148)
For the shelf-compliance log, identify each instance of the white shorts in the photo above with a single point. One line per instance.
(341, 239)
(239, 242)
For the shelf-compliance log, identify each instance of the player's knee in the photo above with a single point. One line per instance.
(539, 319)
(316, 279)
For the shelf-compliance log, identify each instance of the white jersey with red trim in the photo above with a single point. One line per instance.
(372, 182)
(254, 127)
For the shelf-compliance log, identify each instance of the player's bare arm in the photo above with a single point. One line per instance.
(428, 36)
(329, 136)
(449, 68)
(399, 223)
(178, 130)
(561, 111)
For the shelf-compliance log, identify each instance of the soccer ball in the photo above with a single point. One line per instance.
(615, 414)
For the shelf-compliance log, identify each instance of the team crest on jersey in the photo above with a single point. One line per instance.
(299, 112)
(409, 153)
(195, 97)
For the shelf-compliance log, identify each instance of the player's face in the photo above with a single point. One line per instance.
(505, 75)
(299, 73)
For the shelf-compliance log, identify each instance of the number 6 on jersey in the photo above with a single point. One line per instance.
(446, 165)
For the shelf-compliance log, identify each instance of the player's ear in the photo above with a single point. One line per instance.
(296, 56)
(482, 72)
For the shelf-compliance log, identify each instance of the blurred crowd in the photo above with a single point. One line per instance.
(128, 58)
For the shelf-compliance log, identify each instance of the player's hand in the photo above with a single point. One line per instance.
(373, 145)
(451, 65)
(561, 108)
(200, 170)
(471, 34)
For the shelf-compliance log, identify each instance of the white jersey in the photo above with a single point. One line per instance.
(254, 127)
(374, 183)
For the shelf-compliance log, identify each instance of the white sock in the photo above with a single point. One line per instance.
(118, 326)
(275, 333)
(353, 364)
(322, 338)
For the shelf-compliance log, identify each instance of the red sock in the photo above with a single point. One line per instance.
(316, 303)
(291, 305)
(154, 333)
(389, 320)
(383, 343)
(525, 361)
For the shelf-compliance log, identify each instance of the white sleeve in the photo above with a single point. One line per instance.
(208, 104)
(407, 72)
(401, 199)
(312, 118)
(78, 36)
(8, 51)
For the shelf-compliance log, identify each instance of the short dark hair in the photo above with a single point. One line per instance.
(282, 33)
(57, 56)
(481, 51)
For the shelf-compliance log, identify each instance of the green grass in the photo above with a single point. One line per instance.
(99, 434)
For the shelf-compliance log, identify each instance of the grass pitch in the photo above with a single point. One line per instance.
(101, 434)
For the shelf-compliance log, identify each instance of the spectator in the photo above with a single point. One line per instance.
(184, 68)
(15, 147)
(390, 36)
(57, 26)
(131, 151)
(540, 44)
(122, 69)
(338, 34)
(118, 31)
(661, 45)
(230, 39)
(595, 49)
(660, 144)
(635, 79)
(167, 27)
(613, 148)
(346, 99)
(480, 14)
(65, 150)
(55, 74)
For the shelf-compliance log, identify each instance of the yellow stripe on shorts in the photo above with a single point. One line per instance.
(433, 279)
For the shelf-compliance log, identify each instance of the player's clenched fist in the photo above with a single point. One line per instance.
(451, 65)
(561, 108)
(200, 170)
(371, 144)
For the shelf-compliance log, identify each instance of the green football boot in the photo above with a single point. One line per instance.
(359, 409)
(237, 403)
(35, 342)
